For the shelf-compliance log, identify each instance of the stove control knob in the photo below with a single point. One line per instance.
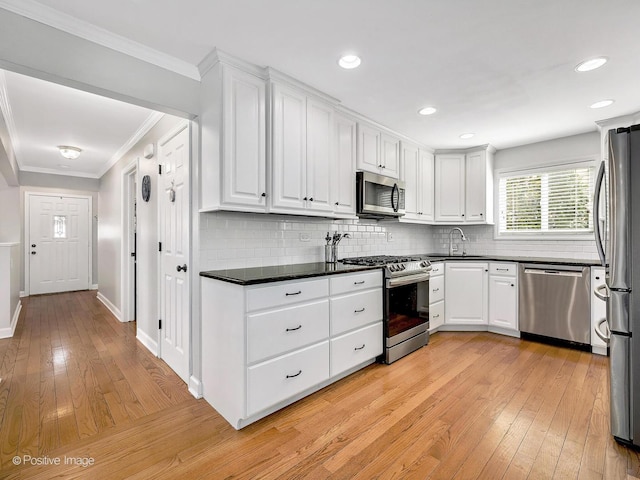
(402, 266)
(392, 268)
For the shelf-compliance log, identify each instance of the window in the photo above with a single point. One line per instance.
(59, 226)
(550, 200)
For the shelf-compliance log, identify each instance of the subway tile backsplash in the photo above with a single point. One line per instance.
(236, 240)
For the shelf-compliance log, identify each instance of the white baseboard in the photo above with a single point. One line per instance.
(8, 332)
(112, 308)
(149, 343)
(93, 287)
(195, 387)
(599, 350)
(23, 294)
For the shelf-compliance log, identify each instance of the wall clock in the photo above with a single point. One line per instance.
(146, 188)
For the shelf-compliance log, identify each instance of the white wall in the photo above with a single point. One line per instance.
(9, 213)
(481, 237)
(110, 231)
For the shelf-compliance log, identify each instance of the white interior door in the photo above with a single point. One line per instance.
(175, 295)
(58, 244)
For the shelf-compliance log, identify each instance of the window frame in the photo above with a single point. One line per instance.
(591, 161)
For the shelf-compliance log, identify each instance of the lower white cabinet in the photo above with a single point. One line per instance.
(436, 297)
(598, 311)
(503, 298)
(466, 294)
(436, 316)
(266, 346)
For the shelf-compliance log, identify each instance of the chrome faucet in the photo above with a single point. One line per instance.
(462, 237)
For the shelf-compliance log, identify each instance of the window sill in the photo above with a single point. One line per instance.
(537, 237)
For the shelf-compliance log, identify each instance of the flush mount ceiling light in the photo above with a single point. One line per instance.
(602, 104)
(69, 152)
(466, 136)
(591, 64)
(427, 111)
(349, 61)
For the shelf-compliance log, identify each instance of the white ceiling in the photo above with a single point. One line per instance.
(503, 69)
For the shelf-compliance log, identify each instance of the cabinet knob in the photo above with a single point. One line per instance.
(512, 285)
(264, 194)
(481, 214)
(463, 214)
(311, 199)
(486, 270)
(305, 199)
(337, 203)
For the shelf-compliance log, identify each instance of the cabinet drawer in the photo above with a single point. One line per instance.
(437, 269)
(353, 282)
(436, 315)
(436, 289)
(282, 294)
(355, 348)
(278, 379)
(278, 331)
(504, 269)
(355, 310)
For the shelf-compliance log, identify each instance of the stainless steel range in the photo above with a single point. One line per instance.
(406, 302)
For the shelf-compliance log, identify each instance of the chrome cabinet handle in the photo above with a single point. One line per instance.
(603, 337)
(295, 293)
(502, 269)
(293, 329)
(358, 283)
(435, 289)
(294, 375)
(359, 348)
(359, 311)
(436, 315)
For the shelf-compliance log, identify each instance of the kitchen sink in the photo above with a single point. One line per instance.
(452, 257)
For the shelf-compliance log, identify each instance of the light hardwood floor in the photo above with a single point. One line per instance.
(75, 383)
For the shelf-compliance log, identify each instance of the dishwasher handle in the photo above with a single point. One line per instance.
(555, 273)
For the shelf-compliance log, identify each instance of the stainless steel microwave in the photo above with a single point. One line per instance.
(378, 196)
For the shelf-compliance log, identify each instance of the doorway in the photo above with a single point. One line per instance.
(129, 243)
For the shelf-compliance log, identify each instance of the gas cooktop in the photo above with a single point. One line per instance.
(381, 259)
(394, 265)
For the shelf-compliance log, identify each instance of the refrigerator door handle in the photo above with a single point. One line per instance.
(598, 328)
(602, 292)
(596, 214)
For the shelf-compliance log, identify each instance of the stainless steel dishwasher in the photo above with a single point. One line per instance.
(554, 301)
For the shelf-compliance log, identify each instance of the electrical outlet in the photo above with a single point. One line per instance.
(305, 237)
(389, 236)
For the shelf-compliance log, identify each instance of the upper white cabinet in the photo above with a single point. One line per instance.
(464, 186)
(344, 178)
(302, 152)
(378, 151)
(233, 124)
(466, 293)
(416, 170)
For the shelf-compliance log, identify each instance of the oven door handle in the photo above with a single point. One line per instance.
(408, 280)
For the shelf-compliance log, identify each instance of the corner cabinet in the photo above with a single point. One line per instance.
(464, 186)
(466, 295)
(233, 121)
(266, 346)
(417, 171)
(302, 151)
(378, 151)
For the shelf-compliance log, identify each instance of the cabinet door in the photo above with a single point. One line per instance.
(598, 310)
(503, 298)
(449, 188)
(243, 140)
(465, 293)
(390, 148)
(426, 184)
(409, 174)
(319, 155)
(344, 194)
(476, 194)
(436, 315)
(289, 149)
(369, 157)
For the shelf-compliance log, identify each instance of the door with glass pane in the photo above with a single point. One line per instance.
(58, 248)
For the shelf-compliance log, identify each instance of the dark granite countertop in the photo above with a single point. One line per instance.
(278, 273)
(434, 257)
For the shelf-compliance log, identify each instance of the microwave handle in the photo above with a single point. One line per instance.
(394, 192)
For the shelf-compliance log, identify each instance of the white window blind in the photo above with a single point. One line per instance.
(556, 200)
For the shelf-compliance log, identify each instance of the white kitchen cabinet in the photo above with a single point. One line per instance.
(302, 152)
(344, 180)
(417, 172)
(503, 298)
(436, 297)
(466, 295)
(598, 311)
(233, 120)
(464, 186)
(271, 344)
(377, 151)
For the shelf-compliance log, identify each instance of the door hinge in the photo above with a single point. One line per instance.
(160, 169)
(159, 246)
(160, 324)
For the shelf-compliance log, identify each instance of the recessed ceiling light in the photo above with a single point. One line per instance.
(427, 111)
(349, 61)
(465, 136)
(591, 64)
(602, 104)
(69, 152)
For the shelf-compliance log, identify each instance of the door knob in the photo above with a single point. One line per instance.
(182, 268)
(33, 253)
(33, 245)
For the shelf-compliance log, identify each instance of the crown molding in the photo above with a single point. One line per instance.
(5, 108)
(144, 128)
(80, 28)
(216, 56)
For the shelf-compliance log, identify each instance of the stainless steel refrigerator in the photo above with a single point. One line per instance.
(619, 249)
